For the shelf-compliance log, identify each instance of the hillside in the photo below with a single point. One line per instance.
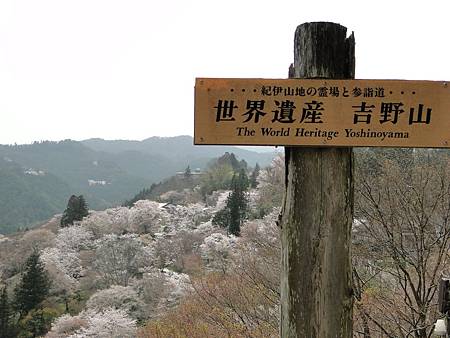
(127, 266)
(28, 196)
(106, 172)
(167, 269)
(180, 150)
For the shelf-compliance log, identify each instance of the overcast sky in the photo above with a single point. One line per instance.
(125, 69)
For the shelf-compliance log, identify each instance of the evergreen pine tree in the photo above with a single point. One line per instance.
(33, 287)
(254, 176)
(75, 211)
(222, 218)
(237, 202)
(188, 173)
(5, 314)
(234, 226)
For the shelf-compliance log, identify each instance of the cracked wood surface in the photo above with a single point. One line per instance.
(316, 219)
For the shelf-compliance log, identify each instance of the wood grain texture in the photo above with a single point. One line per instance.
(316, 218)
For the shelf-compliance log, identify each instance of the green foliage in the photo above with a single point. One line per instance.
(220, 173)
(254, 176)
(65, 168)
(28, 199)
(237, 202)
(231, 160)
(144, 194)
(5, 315)
(75, 211)
(33, 287)
(218, 177)
(235, 211)
(37, 323)
(222, 218)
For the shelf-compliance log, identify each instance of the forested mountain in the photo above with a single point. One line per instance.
(106, 173)
(83, 169)
(117, 270)
(170, 267)
(179, 150)
(28, 196)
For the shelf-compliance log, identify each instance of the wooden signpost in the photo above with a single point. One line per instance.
(381, 113)
(319, 114)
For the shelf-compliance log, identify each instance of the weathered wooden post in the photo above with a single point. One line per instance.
(316, 220)
(319, 114)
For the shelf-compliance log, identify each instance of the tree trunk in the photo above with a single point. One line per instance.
(316, 219)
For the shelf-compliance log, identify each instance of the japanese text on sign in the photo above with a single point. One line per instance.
(322, 112)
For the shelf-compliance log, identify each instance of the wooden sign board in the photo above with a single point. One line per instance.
(326, 112)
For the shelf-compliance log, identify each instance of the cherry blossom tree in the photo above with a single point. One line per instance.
(216, 250)
(63, 261)
(120, 258)
(108, 323)
(118, 297)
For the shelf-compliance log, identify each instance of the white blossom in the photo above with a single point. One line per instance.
(108, 323)
(66, 325)
(63, 260)
(119, 258)
(162, 289)
(216, 248)
(110, 221)
(66, 261)
(73, 238)
(118, 297)
(222, 200)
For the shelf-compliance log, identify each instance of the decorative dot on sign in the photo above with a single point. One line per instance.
(254, 90)
(231, 90)
(414, 93)
(243, 90)
(402, 93)
(390, 92)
